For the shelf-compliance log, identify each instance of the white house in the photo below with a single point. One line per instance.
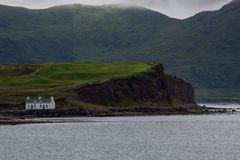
(40, 103)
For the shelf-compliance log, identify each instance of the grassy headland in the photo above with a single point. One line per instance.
(58, 79)
(94, 89)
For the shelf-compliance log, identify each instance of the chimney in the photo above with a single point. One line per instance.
(28, 98)
(52, 98)
(40, 98)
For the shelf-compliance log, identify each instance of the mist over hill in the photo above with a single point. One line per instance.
(173, 8)
(203, 49)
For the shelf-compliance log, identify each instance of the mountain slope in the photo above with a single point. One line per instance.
(215, 40)
(74, 32)
(203, 49)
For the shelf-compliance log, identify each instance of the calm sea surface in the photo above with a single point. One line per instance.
(221, 103)
(205, 137)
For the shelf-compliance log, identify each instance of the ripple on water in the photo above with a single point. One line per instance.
(208, 137)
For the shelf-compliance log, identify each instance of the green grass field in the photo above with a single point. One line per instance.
(58, 79)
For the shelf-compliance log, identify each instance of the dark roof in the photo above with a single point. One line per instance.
(38, 100)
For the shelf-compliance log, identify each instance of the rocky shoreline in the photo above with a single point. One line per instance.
(70, 115)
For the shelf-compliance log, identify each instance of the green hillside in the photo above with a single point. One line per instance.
(19, 81)
(203, 49)
(74, 32)
(212, 45)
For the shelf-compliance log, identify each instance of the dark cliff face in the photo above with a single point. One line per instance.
(153, 87)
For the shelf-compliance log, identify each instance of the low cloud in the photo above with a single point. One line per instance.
(173, 8)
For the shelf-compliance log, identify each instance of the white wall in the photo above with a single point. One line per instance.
(38, 106)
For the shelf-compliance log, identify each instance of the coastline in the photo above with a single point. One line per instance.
(15, 116)
(83, 119)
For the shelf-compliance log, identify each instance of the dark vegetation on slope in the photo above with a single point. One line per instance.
(203, 49)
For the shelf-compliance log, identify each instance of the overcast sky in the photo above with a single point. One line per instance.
(173, 8)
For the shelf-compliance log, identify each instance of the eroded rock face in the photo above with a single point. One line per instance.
(151, 87)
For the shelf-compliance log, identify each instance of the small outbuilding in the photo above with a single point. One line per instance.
(40, 103)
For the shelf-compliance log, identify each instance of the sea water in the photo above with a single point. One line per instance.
(192, 137)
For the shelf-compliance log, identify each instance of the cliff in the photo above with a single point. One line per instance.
(150, 88)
